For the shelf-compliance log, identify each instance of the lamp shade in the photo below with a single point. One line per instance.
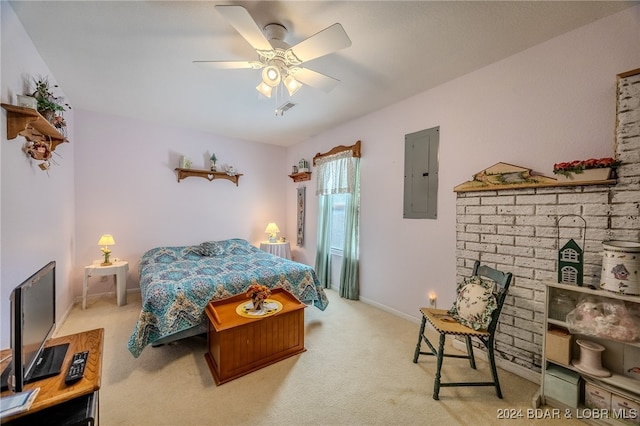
(106, 240)
(272, 228)
(292, 85)
(264, 89)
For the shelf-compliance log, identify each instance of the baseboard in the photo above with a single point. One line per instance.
(390, 310)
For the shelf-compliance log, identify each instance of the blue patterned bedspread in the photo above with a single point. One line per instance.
(176, 284)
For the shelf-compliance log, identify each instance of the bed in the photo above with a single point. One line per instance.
(177, 282)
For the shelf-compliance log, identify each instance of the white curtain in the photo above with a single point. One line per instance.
(336, 174)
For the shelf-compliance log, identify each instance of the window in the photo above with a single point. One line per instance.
(569, 275)
(338, 205)
(570, 255)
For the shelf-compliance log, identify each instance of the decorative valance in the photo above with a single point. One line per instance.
(336, 170)
(353, 149)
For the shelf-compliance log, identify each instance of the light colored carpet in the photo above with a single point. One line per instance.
(358, 370)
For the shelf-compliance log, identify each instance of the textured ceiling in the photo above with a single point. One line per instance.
(134, 58)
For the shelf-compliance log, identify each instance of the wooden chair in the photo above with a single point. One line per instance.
(446, 325)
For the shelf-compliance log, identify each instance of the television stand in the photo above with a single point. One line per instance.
(53, 390)
(48, 365)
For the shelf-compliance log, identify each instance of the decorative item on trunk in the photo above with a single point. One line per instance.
(260, 306)
(570, 255)
(258, 294)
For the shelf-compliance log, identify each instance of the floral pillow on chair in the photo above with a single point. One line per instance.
(475, 303)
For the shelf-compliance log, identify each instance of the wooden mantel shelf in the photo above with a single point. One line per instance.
(207, 174)
(536, 185)
(29, 123)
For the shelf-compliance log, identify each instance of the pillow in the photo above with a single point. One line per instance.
(237, 246)
(210, 248)
(475, 303)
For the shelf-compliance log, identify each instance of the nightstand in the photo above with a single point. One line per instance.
(279, 249)
(118, 268)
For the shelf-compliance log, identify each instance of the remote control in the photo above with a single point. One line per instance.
(76, 369)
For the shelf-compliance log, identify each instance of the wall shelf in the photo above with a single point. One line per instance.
(302, 176)
(34, 127)
(207, 174)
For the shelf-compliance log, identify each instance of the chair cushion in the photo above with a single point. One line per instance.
(475, 303)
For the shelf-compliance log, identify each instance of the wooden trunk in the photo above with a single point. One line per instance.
(237, 345)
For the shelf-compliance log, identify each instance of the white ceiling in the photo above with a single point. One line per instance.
(134, 58)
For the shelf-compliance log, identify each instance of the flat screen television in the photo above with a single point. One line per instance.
(33, 320)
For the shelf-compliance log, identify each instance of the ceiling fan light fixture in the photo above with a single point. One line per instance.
(265, 89)
(271, 76)
(292, 84)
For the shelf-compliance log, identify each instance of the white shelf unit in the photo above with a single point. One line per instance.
(612, 358)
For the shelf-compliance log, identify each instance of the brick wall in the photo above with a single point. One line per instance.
(517, 231)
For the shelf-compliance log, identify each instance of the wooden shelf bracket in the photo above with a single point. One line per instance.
(302, 176)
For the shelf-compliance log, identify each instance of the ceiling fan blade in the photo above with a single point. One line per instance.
(315, 79)
(229, 65)
(240, 19)
(327, 41)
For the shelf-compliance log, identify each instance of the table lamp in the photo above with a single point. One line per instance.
(272, 230)
(106, 240)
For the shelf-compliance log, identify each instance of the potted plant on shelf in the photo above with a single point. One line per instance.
(49, 105)
(213, 160)
(593, 169)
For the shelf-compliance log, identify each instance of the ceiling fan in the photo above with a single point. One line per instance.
(280, 62)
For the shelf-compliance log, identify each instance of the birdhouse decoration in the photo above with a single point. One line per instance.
(571, 258)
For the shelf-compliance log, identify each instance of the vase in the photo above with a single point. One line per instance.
(48, 115)
(258, 303)
(586, 175)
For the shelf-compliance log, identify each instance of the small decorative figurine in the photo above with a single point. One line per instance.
(213, 162)
(571, 256)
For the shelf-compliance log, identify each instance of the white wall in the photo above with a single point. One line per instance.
(126, 186)
(36, 210)
(554, 102)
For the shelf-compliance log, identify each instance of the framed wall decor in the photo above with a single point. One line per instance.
(300, 207)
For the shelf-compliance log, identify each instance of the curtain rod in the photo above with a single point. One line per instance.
(340, 148)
